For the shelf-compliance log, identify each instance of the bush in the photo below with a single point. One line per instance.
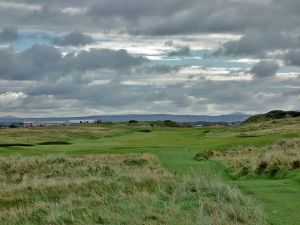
(274, 169)
(133, 121)
(204, 155)
(261, 167)
(145, 131)
(135, 162)
(170, 123)
(296, 164)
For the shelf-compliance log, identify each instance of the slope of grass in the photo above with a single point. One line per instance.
(115, 189)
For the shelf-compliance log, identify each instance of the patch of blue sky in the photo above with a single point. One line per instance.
(289, 69)
(205, 58)
(29, 39)
(202, 61)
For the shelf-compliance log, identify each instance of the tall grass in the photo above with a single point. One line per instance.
(115, 189)
(278, 159)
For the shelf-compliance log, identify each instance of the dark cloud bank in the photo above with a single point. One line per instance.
(43, 60)
(9, 34)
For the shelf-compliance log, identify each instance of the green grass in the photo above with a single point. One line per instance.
(174, 147)
(280, 197)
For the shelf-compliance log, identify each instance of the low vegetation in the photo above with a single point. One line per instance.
(115, 189)
(276, 160)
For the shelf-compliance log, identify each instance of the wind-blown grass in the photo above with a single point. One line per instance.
(275, 160)
(107, 189)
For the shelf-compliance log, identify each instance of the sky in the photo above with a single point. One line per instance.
(96, 57)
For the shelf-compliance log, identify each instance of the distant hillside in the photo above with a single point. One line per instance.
(273, 115)
(142, 117)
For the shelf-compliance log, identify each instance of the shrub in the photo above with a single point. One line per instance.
(145, 131)
(261, 167)
(274, 169)
(296, 164)
(133, 121)
(204, 155)
(135, 162)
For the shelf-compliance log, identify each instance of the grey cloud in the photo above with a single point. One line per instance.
(292, 6)
(292, 57)
(43, 60)
(75, 38)
(265, 69)
(190, 96)
(257, 42)
(160, 17)
(101, 58)
(169, 43)
(180, 51)
(197, 96)
(9, 34)
(135, 9)
(156, 69)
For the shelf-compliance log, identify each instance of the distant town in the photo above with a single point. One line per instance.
(45, 123)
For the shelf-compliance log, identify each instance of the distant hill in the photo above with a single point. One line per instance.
(272, 115)
(142, 117)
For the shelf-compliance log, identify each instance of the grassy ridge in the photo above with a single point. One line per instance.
(272, 115)
(115, 189)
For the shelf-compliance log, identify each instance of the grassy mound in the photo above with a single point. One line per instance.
(104, 189)
(272, 115)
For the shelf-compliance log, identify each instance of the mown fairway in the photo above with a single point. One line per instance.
(175, 149)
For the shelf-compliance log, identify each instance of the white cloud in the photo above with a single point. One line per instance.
(14, 5)
(11, 99)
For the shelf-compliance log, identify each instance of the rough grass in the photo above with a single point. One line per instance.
(272, 161)
(36, 135)
(115, 189)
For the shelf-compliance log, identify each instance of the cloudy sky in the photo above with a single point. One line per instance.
(74, 57)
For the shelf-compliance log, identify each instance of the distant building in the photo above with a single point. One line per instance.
(222, 123)
(82, 121)
(29, 124)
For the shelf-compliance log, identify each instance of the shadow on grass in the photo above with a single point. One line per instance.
(54, 143)
(15, 145)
